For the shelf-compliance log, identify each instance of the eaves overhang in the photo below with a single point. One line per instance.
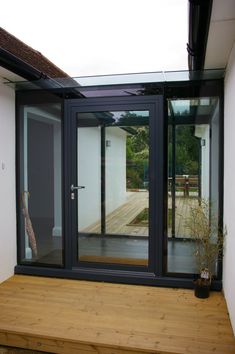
(16, 65)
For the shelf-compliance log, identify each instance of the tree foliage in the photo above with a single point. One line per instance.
(187, 150)
(137, 150)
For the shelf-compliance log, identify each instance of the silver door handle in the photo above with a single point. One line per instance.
(73, 188)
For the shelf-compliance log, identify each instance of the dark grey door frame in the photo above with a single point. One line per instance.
(154, 104)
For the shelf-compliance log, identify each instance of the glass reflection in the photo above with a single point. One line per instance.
(193, 141)
(41, 207)
(113, 162)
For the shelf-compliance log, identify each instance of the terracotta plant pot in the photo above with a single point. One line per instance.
(202, 288)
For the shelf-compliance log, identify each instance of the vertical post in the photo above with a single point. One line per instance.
(199, 171)
(173, 179)
(186, 179)
(103, 212)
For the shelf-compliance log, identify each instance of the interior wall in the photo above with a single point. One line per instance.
(229, 187)
(52, 136)
(40, 182)
(41, 172)
(7, 182)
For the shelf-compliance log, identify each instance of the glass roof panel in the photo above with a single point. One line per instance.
(122, 79)
(193, 106)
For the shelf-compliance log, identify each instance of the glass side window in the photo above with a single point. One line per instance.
(193, 170)
(113, 199)
(40, 184)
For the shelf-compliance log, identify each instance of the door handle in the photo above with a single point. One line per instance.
(73, 188)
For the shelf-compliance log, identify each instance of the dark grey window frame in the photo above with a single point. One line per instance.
(135, 276)
(154, 105)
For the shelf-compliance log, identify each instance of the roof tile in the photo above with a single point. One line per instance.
(29, 55)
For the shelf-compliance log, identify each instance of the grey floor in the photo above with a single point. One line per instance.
(180, 253)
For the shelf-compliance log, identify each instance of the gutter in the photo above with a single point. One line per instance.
(12, 63)
(199, 23)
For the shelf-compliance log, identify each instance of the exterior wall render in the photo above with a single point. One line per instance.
(229, 187)
(115, 168)
(89, 173)
(7, 182)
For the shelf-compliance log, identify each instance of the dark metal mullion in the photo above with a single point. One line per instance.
(70, 175)
(103, 182)
(199, 170)
(173, 124)
(221, 175)
(173, 179)
(152, 241)
(157, 198)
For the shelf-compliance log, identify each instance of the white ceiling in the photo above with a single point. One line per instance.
(221, 34)
(6, 75)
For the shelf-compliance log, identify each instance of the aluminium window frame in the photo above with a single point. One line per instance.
(154, 105)
(168, 90)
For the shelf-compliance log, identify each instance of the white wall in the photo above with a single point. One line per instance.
(229, 187)
(115, 168)
(7, 182)
(203, 132)
(89, 173)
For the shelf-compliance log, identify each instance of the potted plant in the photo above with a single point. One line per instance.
(203, 227)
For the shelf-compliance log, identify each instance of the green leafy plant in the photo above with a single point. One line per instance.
(203, 227)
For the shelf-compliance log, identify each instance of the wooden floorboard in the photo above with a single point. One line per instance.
(70, 316)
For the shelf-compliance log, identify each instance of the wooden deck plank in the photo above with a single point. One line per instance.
(118, 221)
(69, 316)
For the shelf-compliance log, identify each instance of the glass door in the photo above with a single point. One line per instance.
(113, 184)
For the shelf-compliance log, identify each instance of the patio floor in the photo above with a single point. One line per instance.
(118, 221)
(182, 210)
(70, 316)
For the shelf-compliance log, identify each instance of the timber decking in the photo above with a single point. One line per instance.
(70, 316)
(183, 205)
(118, 221)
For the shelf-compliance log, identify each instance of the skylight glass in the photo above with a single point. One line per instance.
(122, 79)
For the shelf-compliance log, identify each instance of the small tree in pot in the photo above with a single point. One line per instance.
(203, 227)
